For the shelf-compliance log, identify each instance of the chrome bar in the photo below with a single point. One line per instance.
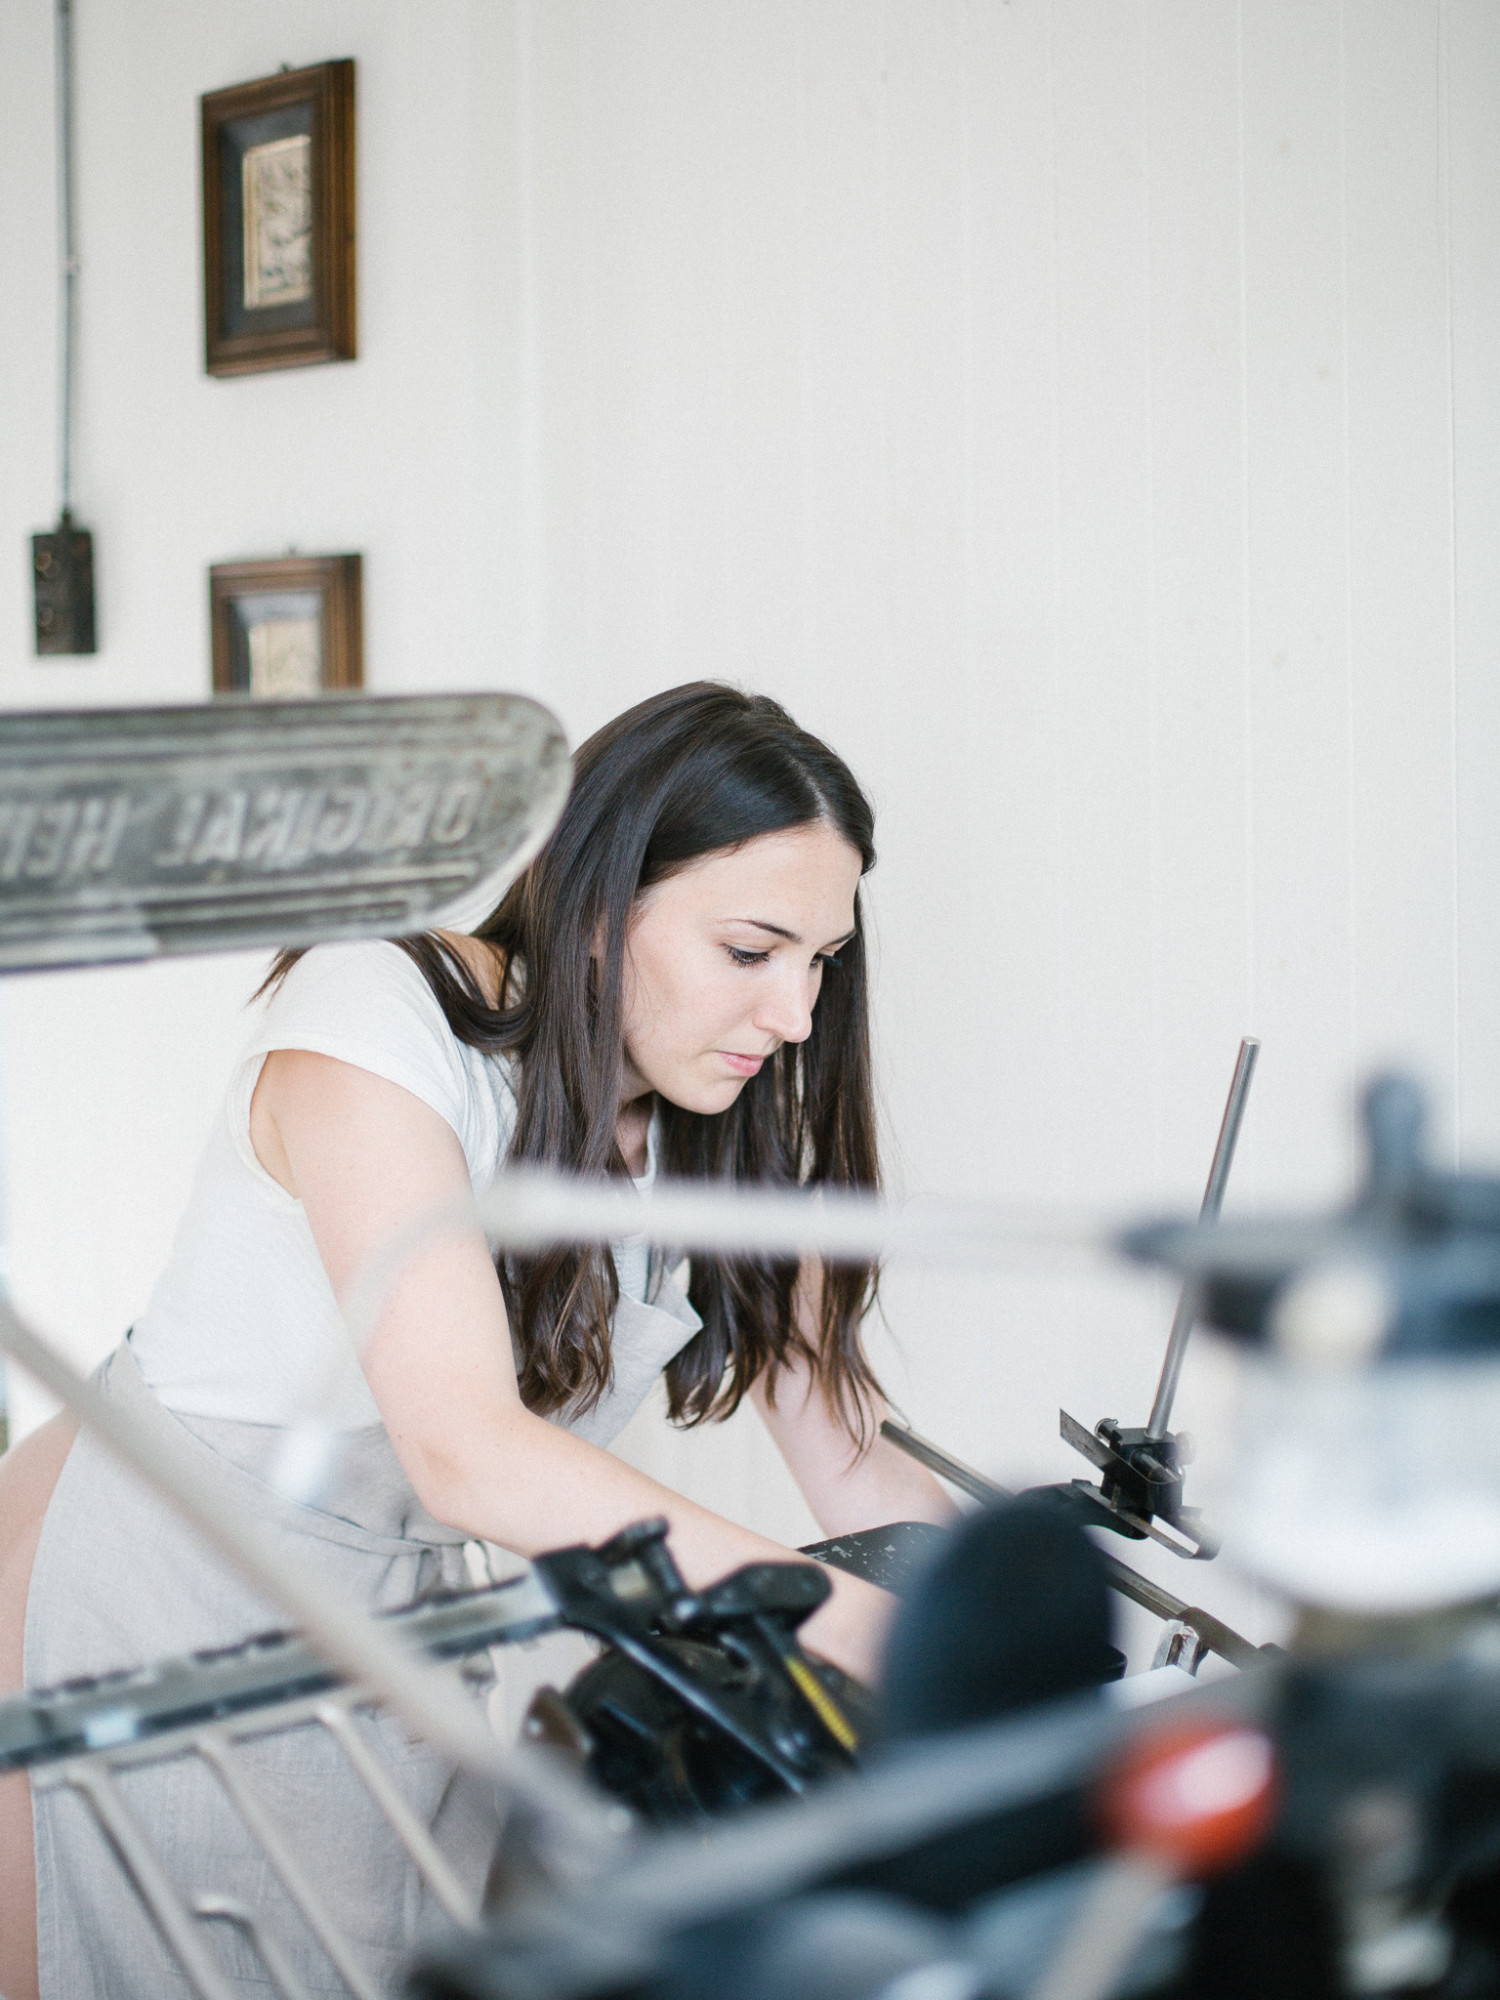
(1105, 1928)
(431, 1863)
(264, 1683)
(150, 1880)
(943, 1463)
(215, 1752)
(1186, 1314)
(229, 1910)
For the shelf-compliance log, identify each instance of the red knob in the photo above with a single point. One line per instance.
(1197, 1799)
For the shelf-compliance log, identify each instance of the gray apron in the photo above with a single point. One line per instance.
(120, 1579)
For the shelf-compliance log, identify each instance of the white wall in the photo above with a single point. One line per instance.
(1086, 413)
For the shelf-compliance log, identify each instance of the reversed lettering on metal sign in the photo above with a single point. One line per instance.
(131, 832)
(69, 837)
(281, 826)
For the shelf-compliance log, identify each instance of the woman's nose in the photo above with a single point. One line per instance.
(786, 1011)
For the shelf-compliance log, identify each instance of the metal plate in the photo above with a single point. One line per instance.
(128, 833)
(149, 1705)
(892, 1557)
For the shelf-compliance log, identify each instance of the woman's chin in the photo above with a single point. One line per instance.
(707, 1098)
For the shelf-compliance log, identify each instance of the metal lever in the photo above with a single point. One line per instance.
(1141, 1486)
(1213, 1200)
(1216, 1636)
(1143, 1468)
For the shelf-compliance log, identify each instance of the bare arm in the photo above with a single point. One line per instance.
(366, 1157)
(846, 1488)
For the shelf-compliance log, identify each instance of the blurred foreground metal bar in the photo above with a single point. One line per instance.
(609, 1934)
(213, 1748)
(126, 1739)
(151, 1707)
(529, 1208)
(1216, 1635)
(171, 1915)
(230, 1910)
(577, 1831)
(430, 1862)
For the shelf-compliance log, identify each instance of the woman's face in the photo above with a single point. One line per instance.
(724, 961)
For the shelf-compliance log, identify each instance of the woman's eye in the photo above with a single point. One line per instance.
(746, 957)
(825, 958)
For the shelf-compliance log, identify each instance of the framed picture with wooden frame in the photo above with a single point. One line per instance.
(278, 221)
(287, 627)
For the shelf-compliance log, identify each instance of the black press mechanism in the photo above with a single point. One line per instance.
(704, 1699)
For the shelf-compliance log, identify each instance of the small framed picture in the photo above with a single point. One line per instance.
(286, 628)
(278, 221)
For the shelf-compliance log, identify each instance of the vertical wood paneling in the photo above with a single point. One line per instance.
(1005, 747)
(1201, 1000)
(1102, 611)
(1400, 543)
(1101, 616)
(763, 508)
(1049, 402)
(985, 829)
(1297, 609)
(1472, 160)
(923, 598)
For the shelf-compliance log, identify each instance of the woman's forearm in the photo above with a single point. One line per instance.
(880, 1486)
(531, 1486)
(848, 1488)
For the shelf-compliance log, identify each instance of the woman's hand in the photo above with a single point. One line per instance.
(367, 1158)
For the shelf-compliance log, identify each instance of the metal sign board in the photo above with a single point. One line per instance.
(128, 833)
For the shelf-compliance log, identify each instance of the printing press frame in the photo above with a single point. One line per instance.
(132, 833)
(1375, 1871)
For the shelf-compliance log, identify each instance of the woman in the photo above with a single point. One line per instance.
(677, 983)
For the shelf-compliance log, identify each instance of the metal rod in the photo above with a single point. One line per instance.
(150, 1880)
(1216, 1635)
(529, 1208)
(925, 1452)
(1213, 1200)
(229, 1910)
(429, 1858)
(68, 245)
(357, 1977)
(576, 1828)
(1105, 1929)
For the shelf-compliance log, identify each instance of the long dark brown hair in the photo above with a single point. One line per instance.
(686, 773)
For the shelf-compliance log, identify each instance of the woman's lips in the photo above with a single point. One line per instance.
(742, 1065)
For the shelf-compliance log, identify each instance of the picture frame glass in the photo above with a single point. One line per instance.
(276, 644)
(266, 245)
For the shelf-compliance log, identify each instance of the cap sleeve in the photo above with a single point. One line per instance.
(367, 1004)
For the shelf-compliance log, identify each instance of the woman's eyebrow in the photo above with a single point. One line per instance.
(760, 924)
(792, 937)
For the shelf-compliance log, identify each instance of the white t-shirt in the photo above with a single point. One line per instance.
(243, 1323)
